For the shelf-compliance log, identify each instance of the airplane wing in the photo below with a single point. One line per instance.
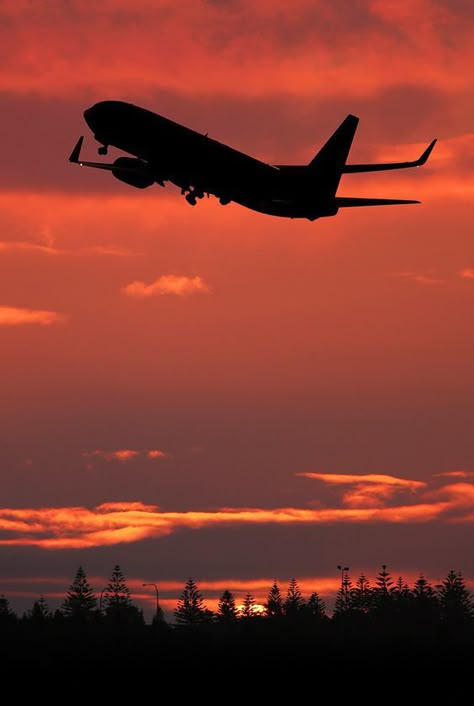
(348, 202)
(352, 168)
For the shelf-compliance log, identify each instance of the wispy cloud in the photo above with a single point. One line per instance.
(455, 474)
(15, 316)
(180, 286)
(49, 249)
(419, 277)
(119, 522)
(124, 455)
(368, 490)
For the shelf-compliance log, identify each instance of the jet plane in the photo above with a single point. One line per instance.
(164, 150)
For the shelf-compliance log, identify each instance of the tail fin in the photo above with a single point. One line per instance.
(332, 157)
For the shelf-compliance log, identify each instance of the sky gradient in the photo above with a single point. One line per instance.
(212, 392)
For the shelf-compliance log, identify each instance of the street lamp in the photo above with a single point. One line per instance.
(100, 599)
(344, 586)
(159, 612)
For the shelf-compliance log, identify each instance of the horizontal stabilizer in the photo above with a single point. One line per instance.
(352, 168)
(347, 202)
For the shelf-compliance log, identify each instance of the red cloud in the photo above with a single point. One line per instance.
(166, 284)
(124, 455)
(114, 523)
(14, 316)
(370, 490)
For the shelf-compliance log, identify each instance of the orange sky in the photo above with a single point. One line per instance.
(212, 364)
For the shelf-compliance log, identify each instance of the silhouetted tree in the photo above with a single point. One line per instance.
(248, 606)
(7, 615)
(402, 596)
(382, 593)
(80, 602)
(226, 609)
(118, 604)
(294, 601)
(455, 601)
(191, 609)
(343, 596)
(316, 606)
(274, 604)
(361, 595)
(40, 611)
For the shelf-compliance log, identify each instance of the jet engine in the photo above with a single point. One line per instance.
(133, 171)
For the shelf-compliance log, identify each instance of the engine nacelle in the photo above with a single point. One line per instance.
(133, 172)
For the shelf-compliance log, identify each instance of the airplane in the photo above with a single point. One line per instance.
(164, 150)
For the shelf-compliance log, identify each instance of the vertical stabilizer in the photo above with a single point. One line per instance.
(332, 157)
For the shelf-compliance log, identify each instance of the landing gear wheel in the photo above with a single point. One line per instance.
(103, 149)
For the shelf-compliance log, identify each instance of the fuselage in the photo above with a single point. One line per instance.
(193, 161)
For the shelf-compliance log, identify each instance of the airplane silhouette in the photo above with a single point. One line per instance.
(167, 151)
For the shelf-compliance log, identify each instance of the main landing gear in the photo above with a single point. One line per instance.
(192, 195)
(103, 149)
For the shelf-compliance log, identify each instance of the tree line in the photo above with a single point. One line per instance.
(447, 603)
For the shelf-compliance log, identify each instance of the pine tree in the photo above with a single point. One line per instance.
(40, 612)
(191, 609)
(248, 606)
(118, 603)
(80, 602)
(316, 606)
(274, 604)
(455, 601)
(383, 591)
(6, 613)
(402, 595)
(294, 602)
(343, 596)
(226, 610)
(361, 595)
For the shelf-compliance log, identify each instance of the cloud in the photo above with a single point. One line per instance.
(238, 48)
(25, 246)
(467, 273)
(156, 453)
(455, 474)
(377, 478)
(14, 316)
(420, 277)
(166, 284)
(369, 490)
(124, 455)
(123, 522)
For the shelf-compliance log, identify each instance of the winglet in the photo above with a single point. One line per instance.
(426, 154)
(76, 151)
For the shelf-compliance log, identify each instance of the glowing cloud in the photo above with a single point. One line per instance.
(369, 490)
(419, 277)
(124, 455)
(467, 273)
(119, 522)
(14, 316)
(180, 286)
(156, 453)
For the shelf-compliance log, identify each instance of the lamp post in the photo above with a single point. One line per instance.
(344, 591)
(100, 599)
(159, 612)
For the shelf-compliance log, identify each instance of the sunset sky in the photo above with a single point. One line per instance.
(212, 392)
